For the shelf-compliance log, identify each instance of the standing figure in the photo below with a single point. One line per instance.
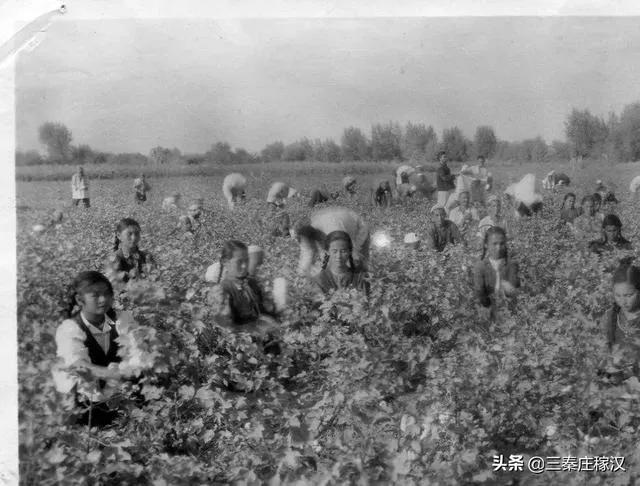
(234, 188)
(141, 187)
(494, 216)
(442, 231)
(634, 187)
(445, 181)
(80, 188)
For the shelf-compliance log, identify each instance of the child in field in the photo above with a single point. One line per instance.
(338, 270)
(589, 222)
(87, 339)
(128, 261)
(141, 187)
(381, 194)
(494, 216)
(311, 235)
(464, 215)
(568, 211)
(442, 231)
(621, 322)
(495, 275)
(612, 238)
(238, 298)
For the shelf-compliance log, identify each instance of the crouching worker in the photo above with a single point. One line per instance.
(495, 276)
(86, 340)
(239, 301)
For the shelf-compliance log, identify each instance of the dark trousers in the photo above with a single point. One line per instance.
(85, 201)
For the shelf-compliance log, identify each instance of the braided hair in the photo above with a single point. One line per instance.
(123, 224)
(338, 236)
(493, 230)
(78, 285)
(226, 254)
(629, 274)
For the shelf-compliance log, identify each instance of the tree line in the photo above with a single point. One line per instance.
(587, 136)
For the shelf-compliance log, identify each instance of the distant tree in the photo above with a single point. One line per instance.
(241, 156)
(221, 153)
(273, 152)
(326, 150)
(30, 157)
(299, 150)
(162, 156)
(561, 150)
(485, 141)
(533, 150)
(416, 142)
(57, 139)
(455, 144)
(354, 145)
(82, 154)
(627, 133)
(586, 133)
(385, 141)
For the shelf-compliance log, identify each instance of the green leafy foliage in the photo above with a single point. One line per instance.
(409, 387)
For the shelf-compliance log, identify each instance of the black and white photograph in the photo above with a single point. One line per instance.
(320, 244)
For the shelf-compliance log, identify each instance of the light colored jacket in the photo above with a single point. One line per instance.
(79, 186)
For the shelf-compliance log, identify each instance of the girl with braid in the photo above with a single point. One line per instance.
(495, 275)
(338, 269)
(128, 261)
(238, 299)
(88, 339)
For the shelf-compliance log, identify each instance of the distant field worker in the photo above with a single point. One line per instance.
(279, 193)
(319, 197)
(445, 181)
(349, 184)
(381, 194)
(553, 180)
(523, 193)
(141, 187)
(80, 188)
(311, 235)
(406, 190)
(634, 187)
(171, 202)
(424, 187)
(234, 188)
(402, 174)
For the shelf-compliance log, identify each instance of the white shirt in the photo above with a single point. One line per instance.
(79, 187)
(71, 349)
(233, 185)
(277, 192)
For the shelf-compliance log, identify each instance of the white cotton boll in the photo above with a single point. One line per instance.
(411, 238)
(280, 293)
(212, 272)
(38, 228)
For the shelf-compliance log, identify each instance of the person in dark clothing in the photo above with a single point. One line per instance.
(128, 261)
(442, 232)
(88, 339)
(612, 238)
(445, 181)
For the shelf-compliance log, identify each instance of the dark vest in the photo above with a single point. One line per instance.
(96, 354)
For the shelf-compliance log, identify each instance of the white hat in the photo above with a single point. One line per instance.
(254, 249)
(411, 238)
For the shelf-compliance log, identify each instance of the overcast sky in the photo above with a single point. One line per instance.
(129, 85)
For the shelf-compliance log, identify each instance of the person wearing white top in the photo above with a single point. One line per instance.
(279, 192)
(234, 188)
(463, 215)
(80, 188)
(402, 174)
